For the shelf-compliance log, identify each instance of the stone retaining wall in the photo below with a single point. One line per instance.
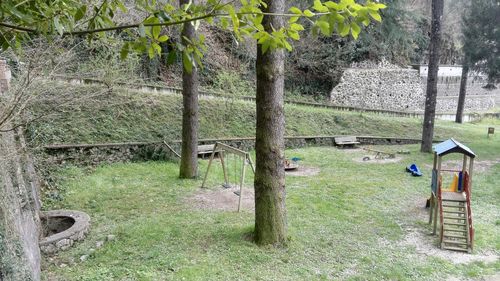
(387, 87)
(96, 154)
(472, 103)
(380, 88)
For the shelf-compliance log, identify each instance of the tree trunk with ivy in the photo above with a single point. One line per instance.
(269, 184)
(462, 93)
(189, 150)
(431, 93)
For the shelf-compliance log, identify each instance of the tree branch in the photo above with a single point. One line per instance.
(136, 25)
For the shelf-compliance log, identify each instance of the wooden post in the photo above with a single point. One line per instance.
(431, 207)
(251, 163)
(471, 165)
(209, 163)
(223, 163)
(242, 180)
(436, 203)
(432, 199)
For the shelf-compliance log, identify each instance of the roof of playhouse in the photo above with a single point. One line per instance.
(452, 146)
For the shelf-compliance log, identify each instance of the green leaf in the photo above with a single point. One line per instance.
(324, 27)
(124, 51)
(187, 62)
(376, 16)
(59, 28)
(162, 38)
(296, 27)
(151, 52)
(344, 29)
(157, 48)
(156, 31)
(332, 5)
(80, 12)
(308, 13)
(171, 58)
(293, 19)
(287, 45)
(319, 7)
(265, 46)
(295, 10)
(294, 35)
(355, 30)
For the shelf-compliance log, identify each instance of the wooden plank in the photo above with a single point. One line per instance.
(171, 149)
(231, 149)
(454, 196)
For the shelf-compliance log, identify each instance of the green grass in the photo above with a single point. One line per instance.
(348, 223)
(131, 116)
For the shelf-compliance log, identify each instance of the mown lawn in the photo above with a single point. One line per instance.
(353, 221)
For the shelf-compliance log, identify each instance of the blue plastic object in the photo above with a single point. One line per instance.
(295, 159)
(460, 187)
(414, 170)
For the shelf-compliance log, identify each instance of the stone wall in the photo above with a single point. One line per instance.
(96, 154)
(450, 86)
(472, 103)
(380, 88)
(388, 87)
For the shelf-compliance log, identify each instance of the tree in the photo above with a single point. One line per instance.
(189, 151)
(481, 49)
(431, 93)
(269, 183)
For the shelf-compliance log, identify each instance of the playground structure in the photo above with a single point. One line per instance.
(454, 203)
(222, 149)
(291, 164)
(378, 154)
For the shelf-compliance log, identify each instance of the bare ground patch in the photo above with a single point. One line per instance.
(426, 244)
(303, 171)
(376, 161)
(223, 199)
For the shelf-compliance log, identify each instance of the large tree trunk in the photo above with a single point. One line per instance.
(189, 150)
(270, 210)
(19, 200)
(461, 95)
(430, 99)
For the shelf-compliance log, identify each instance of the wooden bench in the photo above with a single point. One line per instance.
(206, 150)
(346, 141)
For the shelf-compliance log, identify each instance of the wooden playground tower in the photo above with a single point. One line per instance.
(454, 203)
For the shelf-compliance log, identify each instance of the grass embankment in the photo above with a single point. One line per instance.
(131, 116)
(356, 221)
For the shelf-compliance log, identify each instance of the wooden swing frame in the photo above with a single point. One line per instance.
(222, 148)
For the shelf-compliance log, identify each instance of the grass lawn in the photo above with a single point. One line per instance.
(352, 221)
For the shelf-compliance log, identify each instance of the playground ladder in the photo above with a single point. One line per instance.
(456, 221)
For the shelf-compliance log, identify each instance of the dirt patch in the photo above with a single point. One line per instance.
(376, 161)
(351, 150)
(223, 199)
(426, 244)
(303, 171)
(479, 166)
